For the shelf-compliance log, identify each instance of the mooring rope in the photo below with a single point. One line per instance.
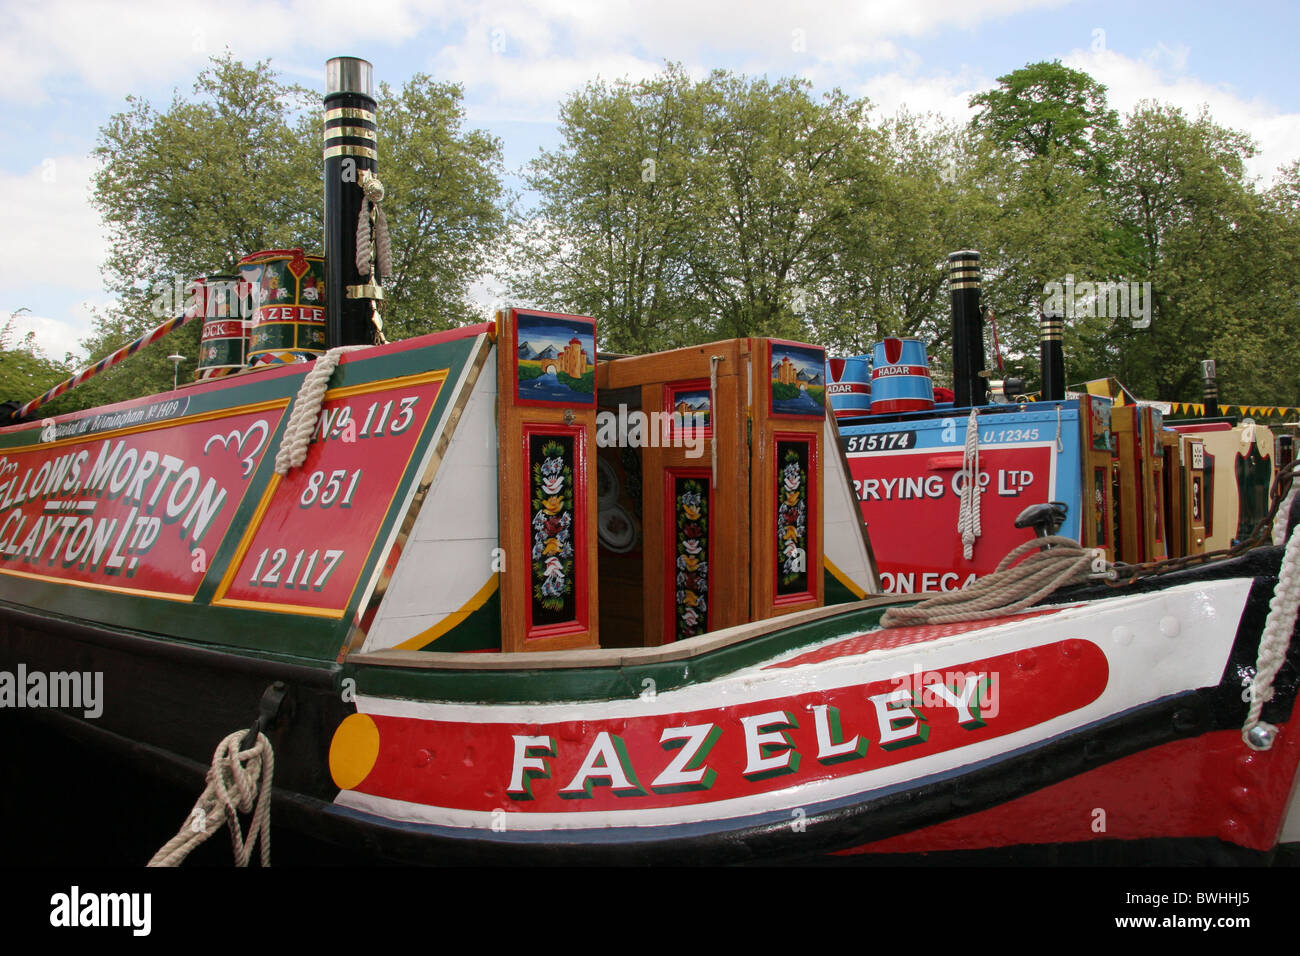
(1059, 562)
(306, 409)
(238, 781)
(968, 514)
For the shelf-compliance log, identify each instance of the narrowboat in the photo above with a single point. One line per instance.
(494, 596)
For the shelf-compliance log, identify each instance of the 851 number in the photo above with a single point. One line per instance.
(325, 491)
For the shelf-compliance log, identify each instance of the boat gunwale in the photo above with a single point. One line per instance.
(602, 657)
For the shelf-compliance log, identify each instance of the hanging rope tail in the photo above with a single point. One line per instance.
(1055, 562)
(372, 223)
(301, 429)
(239, 781)
(968, 516)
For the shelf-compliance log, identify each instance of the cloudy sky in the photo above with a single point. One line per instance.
(69, 65)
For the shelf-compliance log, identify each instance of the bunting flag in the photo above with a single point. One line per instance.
(1111, 388)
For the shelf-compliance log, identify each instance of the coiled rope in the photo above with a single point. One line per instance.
(968, 515)
(1057, 562)
(306, 409)
(239, 781)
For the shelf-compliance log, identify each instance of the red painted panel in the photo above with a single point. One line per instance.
(320, 525)
(910, 503)
(142, 508)
(753, 748)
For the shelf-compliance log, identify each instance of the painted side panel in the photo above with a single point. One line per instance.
(771, 738)
(906, 475)
(217, 548)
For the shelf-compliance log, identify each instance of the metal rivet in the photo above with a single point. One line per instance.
(1185, 720)
(1169, 626)
(1026, 660)
(1242, 799)
(1122, 635)
(423, 757)
(1261, 736)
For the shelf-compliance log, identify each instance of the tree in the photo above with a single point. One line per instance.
(786, 172)
(236, 169)
(617, 213)
(1200, 237)
(1046, 110)
(889, 276)
(682, 211)
(25, 371)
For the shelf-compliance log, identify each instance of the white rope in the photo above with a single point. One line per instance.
(1007, 589)
(306, 409)
(968, 515)
(239, 781)
(1276, 639)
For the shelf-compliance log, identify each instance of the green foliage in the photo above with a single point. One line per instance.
(681, 211)
(1046, 110)
(236, 168)
(25, 372)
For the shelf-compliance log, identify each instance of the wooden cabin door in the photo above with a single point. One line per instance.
(680, 419)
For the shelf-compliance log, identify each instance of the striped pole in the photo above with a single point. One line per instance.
(108, 361)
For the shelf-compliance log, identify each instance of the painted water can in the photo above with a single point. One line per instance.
(289, 318)
(224, 303)
(848, 383)
(900, 377)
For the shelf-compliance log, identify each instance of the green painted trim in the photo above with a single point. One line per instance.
(835, 591)
(598, 683)
(480, 631)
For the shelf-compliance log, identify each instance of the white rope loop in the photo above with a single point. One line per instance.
(968, 515)
(239, 781)
(1275, 640)
(301, 428)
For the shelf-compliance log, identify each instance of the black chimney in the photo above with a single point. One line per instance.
(969, 387)
(349, 150)
(1052, 355)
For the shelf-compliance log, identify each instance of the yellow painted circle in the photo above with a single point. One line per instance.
(354, 750)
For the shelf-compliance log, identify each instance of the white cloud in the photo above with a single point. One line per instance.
(49, 234)
(1160, 75)
(115, 48)
(57, 337)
